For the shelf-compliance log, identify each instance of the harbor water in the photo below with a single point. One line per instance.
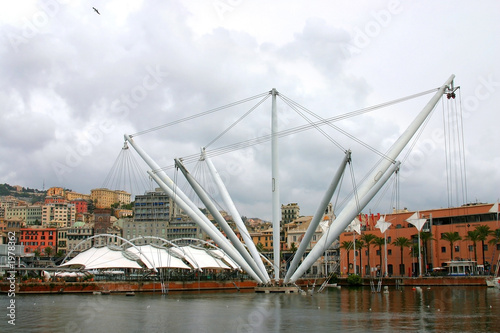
(434, 309)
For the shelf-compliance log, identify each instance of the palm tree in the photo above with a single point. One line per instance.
(368, 239)
(347, 245)
(402, 242)
(473, 236)
(451, 237)
(425, 237)
(360, 244)
(380, 241)
(484, 232)
(496, 237)
(494, 241)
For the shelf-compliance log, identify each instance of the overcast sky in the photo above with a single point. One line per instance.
(74, 81)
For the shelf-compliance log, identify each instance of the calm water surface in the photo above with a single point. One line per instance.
(438, 309)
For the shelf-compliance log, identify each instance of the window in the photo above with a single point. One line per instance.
(389, 252)
(443, 249)
(471, 248)
(457, 248)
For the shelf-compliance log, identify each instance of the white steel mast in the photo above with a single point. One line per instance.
(220, 220)
(275, 188)
(317, 216)
(236, 215)
(353, 208)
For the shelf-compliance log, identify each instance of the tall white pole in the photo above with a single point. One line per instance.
(220, 220)
(320, 211)
(177, 192)
(353, 208)
(385, 254)
(275, 188)
(220, 240)
(340, 224)
(419, 257)
(236, 217)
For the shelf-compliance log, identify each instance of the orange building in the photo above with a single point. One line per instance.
(435, 251)
(38, 239)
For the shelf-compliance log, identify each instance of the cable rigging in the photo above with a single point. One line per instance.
(328, 121)
(126, 174)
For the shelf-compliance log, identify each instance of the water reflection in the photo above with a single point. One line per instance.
(437, 309)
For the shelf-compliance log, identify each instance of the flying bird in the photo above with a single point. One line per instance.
(96, 10)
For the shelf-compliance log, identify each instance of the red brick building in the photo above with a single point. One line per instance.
(435, 252)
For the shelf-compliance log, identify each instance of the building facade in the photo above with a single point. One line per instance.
(436, 251)
(38, 239)
(104, 198)
(58, 214)
(289, 213)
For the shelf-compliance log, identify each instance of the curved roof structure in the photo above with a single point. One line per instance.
(200, 258)
(105, 257)
(160, 257)
(152, 257)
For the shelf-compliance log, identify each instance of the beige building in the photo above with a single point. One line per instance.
(58, 214)
(289, 213)
(74, 196)
(55, 191)
(104, 198)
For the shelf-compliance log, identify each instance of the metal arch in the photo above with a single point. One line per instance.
(108, 235)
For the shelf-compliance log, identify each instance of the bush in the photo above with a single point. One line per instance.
(334, 279)
(354, 280)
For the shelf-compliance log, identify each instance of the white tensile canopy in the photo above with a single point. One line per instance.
(160, 257)
(105, 257)
(200, 258)
(221, 254)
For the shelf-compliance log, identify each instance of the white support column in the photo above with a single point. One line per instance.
(343, 219)
(222, 242)
(236, 216)
(317, 217)
(276, 215)
(352, 208)
(220, 220)
(177, 192)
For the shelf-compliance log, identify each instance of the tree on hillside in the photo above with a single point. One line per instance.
(451, 237)
(402, 242)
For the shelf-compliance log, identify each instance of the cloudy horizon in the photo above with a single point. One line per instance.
(74, 81)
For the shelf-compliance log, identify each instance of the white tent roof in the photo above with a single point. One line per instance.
(221, 254)
(157, 256)
(200, 258)
(104, 257)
